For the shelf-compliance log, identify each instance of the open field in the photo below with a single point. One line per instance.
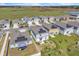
(16, 12)
(61, 45)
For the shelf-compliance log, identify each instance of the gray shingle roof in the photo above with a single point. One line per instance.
(38, 29)
(49, 26)
(4, 21)
(20, 34)
(62, 25)
(26, 19)
(35, 17)
(74, 23)
(17, 21)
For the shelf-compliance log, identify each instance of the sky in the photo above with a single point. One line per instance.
(39, 1)
(38, 4)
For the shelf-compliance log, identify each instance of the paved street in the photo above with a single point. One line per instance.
(4, 44)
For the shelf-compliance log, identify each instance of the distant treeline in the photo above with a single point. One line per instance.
(76, 7)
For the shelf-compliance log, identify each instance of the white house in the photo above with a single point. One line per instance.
(51, 19)
(39, 33)
(51, 28)
(75, 24)
(74, 17)
(61, 18)
(45, 19)
(20, 39)
(4, 24)
(64, 28)
(16, 23)
(27, 20)
(36, 20)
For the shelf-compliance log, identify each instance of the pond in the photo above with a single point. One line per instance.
(72, 12)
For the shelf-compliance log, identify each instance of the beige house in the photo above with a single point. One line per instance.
(51, 28)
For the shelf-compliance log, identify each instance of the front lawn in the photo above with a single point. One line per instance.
(65, 45)
(30, 50)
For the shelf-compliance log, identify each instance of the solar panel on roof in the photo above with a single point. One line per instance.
(53, 26)
(75, 27)
(42, 31)
(67, 25)
(19, 39)
(73, 15)
(61, 28)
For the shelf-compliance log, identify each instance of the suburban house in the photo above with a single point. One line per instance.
(64, 28)
(16, 23)
(39, 33)
(27, 20)
(74, 17)
(61, 18)
(4, 24)
(45, 19)
(51, 19)
(36, 20)
(51, 28)
(75, 24)
(20, 39)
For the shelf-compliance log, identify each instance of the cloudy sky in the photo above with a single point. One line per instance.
(38, 2)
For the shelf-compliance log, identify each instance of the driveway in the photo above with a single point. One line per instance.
(38, 49)
(4, 44)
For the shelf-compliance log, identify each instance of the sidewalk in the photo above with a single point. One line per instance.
(37, 54)
(4, 44)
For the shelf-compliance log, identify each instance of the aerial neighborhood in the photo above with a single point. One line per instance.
(37, 29)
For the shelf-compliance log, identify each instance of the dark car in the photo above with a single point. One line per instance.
(22, 48)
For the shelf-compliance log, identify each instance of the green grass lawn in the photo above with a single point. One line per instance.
(13, 13)
(65, 45)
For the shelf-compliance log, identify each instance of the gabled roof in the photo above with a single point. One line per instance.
(26, 19)
(4, 21)
(35, 17)
(74, 23)
(62, 25)
(20, 37)
(17, 21)
(38, 29)
(49, 26)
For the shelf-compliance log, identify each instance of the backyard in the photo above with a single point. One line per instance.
(61, 45)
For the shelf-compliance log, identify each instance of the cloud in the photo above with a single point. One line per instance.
(38, 4)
